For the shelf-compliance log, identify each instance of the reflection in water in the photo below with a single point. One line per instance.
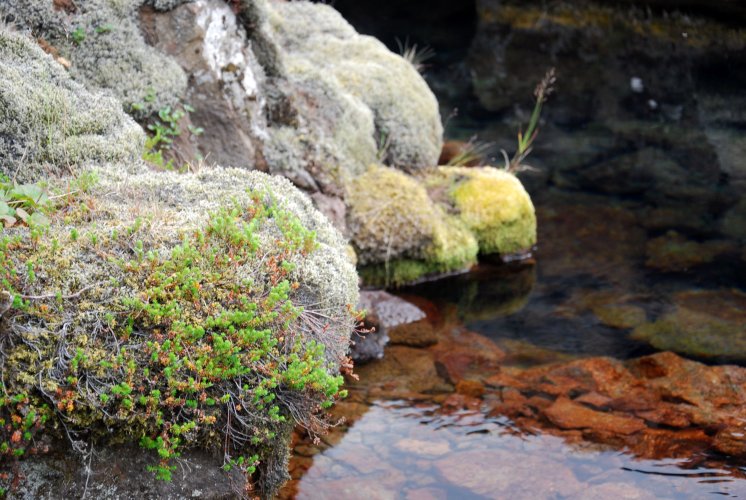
(397, 450)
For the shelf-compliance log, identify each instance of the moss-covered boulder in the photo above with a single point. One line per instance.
(175, 311)
(491, 203)
(400, 235)
(206, 312)
(400, 111)
(51, 124)
(103, 43)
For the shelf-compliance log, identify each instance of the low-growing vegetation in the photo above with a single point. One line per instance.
(204, 345)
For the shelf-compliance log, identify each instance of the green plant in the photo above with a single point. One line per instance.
(163, 131)
(104, 28)
(23, 202)
(526, 140)
(78, 35)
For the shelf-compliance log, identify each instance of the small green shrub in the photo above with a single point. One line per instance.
(163, 132)
(78, 35)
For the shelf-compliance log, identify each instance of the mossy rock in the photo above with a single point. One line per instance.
(51, 124)
(174, 311)
(384, 96)
(399, 234)
(102, 41)
(490, 202)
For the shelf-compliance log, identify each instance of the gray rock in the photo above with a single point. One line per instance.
(388, 314)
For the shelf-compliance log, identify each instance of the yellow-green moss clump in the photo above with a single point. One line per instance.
(490, 202)
(211, 310)
(399, 234)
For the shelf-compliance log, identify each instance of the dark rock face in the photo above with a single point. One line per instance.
(640, 109)
(119, 472)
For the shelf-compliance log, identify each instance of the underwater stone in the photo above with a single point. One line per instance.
(704, 323)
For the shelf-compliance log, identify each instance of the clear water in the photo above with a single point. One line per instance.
(606, 263)
(400, 450)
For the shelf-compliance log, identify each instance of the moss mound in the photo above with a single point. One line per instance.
(399, 234)
(174, 311)
(48, 123)
(387, 100)
(103, 43)
(492, 203)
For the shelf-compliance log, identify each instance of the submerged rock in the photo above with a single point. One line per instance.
(673, 252)
(624, 404)
(704, 323)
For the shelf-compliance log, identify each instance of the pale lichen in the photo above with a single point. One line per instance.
(49, 123)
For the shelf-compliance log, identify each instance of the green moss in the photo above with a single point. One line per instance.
(399, 234)
(493, 204)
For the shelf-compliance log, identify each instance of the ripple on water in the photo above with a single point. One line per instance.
(396, 450)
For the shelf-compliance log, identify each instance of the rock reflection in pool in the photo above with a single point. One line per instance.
(400, 450)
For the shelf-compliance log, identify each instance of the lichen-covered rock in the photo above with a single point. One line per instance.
(176, 311)
(103, 43)
(492, 204)
(399, 234)
(49, 123)
(318, 45)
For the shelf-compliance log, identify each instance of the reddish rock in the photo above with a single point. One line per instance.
(466, 354)
(731, 441)
(472, 388)
(668, 415)
(594, 399)
(461, 402)
(569, 415)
